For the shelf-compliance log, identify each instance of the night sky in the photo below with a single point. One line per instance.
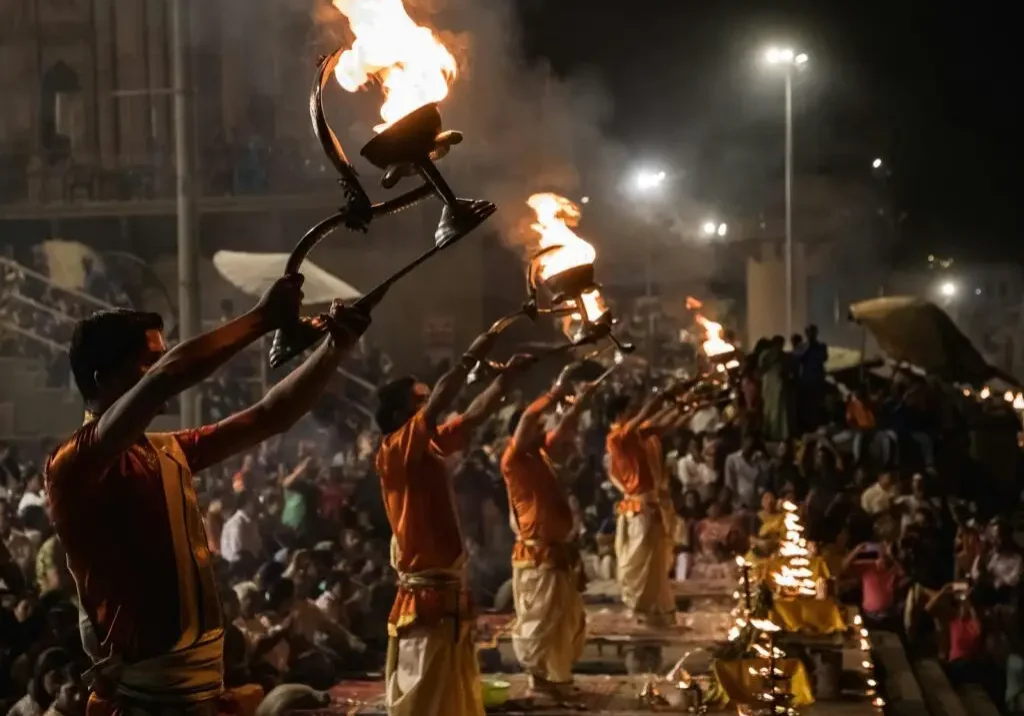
(931, 87)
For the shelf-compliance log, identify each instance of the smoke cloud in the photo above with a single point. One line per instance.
(526, 130)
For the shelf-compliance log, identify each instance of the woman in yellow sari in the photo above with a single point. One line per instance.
(771, 521)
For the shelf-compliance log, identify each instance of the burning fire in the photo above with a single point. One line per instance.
(715, 345)
(794, 577)
(413, 67)
(556, 218)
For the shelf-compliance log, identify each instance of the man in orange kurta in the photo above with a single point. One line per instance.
(550, 628)
(431, 667)
(642, 555)
(125, 509)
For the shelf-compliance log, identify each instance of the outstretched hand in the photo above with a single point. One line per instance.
(281, 303)
(519, 364)
(482, 345)
(347, 323)
(564, 379)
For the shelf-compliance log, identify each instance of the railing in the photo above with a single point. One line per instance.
(32, 303)
(148, 181)
(33, 336)
(98, 304)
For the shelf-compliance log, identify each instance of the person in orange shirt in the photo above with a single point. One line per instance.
(652, 432)
(431, 667)
(550, 628)
(642, 558)
(125, 510)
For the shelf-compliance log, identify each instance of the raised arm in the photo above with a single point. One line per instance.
(566, 427)
(287, 401)
(487, 402)
(451, 383)
(662, 421)
(530, 431)
(652, 406)
(189, 363)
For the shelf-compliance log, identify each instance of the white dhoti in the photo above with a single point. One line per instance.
(551, 623)
(430, 672)
(643, 564)
(432, 668)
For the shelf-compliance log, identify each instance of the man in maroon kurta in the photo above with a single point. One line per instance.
(125, 508)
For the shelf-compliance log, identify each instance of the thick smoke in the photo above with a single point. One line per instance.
(526, 130)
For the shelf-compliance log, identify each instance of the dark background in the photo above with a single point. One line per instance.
(933, 88)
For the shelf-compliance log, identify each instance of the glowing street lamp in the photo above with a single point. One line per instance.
(790, 60)
(648, 181)
(877, 164)
(713, 228)
(948, 289)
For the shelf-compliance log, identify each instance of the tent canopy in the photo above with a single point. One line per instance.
(913, 330)
(253, 274)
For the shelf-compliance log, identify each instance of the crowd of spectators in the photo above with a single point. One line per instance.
(302, 541)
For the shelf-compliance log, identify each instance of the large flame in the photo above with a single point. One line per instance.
(556, 218)
(714, 344)
(413, 67)
(794, 577)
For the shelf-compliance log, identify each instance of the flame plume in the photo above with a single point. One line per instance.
(556, 219)
(714, 344)
(412, 65)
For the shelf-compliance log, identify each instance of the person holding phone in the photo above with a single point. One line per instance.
(959, 630)
(881, 578)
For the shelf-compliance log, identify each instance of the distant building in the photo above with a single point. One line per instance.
(87, 155)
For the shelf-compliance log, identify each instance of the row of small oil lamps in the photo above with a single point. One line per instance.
(868, 665)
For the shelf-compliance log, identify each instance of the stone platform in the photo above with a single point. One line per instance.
(607, 695)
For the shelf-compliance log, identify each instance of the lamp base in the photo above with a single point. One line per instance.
(459, 219)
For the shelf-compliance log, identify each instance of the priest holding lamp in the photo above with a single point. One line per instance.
(432, 668)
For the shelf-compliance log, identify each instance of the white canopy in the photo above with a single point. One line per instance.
(253, 274)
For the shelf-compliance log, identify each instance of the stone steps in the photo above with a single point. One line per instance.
(920, 687)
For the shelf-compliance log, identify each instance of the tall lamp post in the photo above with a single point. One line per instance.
(184, 159)
(790, 61)
(648, 183)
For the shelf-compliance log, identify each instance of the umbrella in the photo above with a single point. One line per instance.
(254, 273)
(913, 330)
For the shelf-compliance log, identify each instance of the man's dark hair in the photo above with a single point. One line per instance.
(246, 498)
(616, 407)
(103, 341)
(392, 399)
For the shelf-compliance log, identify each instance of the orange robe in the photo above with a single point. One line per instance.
(432, 668)
(550, 630)
(642, 543)
(663, 488)
(137, 549)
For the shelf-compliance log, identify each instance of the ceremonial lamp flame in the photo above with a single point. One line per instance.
(564, 265)
(777, 696)
(714, 344)
(794, 578)
(414, 70)
(565, 260)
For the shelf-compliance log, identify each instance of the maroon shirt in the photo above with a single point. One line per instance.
(128, 536)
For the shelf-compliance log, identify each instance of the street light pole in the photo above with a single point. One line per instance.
(647, 182)
(188, 257)
(649, 295)
(789, 201)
